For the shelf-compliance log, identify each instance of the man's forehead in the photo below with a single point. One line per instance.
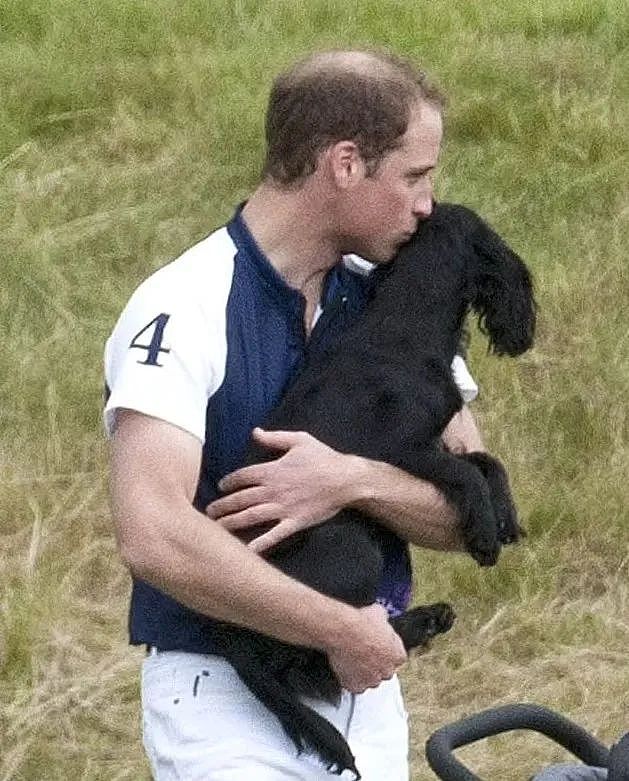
(425, 120)
(424, 133)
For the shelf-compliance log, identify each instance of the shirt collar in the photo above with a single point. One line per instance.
(336, 280)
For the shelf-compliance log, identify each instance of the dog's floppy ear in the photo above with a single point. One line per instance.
(502, 293)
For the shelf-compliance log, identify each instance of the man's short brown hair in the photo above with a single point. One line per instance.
(362, 96)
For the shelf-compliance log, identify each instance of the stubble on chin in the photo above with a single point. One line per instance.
(385, 257)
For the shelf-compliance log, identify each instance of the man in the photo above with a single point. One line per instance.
(201, 353)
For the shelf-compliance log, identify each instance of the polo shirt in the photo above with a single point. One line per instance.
(209, 343)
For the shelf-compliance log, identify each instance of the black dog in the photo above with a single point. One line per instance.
(385, 391)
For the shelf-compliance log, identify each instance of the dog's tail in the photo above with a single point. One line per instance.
(501, 293)
(308, 730)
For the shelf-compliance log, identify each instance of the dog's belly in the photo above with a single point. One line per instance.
(339, 558)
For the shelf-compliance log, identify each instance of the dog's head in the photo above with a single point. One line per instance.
(499, 285)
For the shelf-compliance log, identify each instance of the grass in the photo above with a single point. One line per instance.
(128, 130)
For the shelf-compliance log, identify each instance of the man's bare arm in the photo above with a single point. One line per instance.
(461, 435)
(166, 542)
(414, 509)
(311, 482)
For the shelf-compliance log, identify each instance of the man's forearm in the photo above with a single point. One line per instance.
(311, 482)
(204, 567)
(412, 508)
(167, 543)
(415, 509)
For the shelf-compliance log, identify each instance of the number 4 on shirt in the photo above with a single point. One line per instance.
(154, 347)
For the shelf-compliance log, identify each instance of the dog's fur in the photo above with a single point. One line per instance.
(385, 391)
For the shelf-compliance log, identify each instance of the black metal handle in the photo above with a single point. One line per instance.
(444, 741)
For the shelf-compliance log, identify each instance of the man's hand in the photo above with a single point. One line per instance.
(310, 483)
(368, 655)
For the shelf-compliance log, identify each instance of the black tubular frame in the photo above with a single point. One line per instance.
(441, 744)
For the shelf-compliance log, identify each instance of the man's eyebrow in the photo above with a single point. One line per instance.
(420, 171)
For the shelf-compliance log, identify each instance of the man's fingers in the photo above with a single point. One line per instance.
(252, 516)
(256, 474)
(243, 478)
(378, 611)
(273, 537)
(358, 681)
(233, 503)
(277, 440)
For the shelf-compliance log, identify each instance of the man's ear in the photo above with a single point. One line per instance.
(346, 166)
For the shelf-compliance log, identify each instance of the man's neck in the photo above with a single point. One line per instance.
(289, 226)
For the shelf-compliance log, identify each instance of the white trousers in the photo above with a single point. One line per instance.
(201, 723)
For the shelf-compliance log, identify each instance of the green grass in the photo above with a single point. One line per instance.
(130, 129)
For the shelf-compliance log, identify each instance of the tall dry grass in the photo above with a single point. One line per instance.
(128, 130)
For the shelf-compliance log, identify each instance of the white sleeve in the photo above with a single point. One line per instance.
(464, 380)
(165, 358)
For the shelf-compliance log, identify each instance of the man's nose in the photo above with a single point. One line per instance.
(422, 206)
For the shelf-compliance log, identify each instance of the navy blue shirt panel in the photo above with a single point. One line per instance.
(266, 346)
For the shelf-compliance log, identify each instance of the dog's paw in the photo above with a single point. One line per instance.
(486, 557)
(481, 540)
(418, 625)
(444, 616)
(508, 530)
